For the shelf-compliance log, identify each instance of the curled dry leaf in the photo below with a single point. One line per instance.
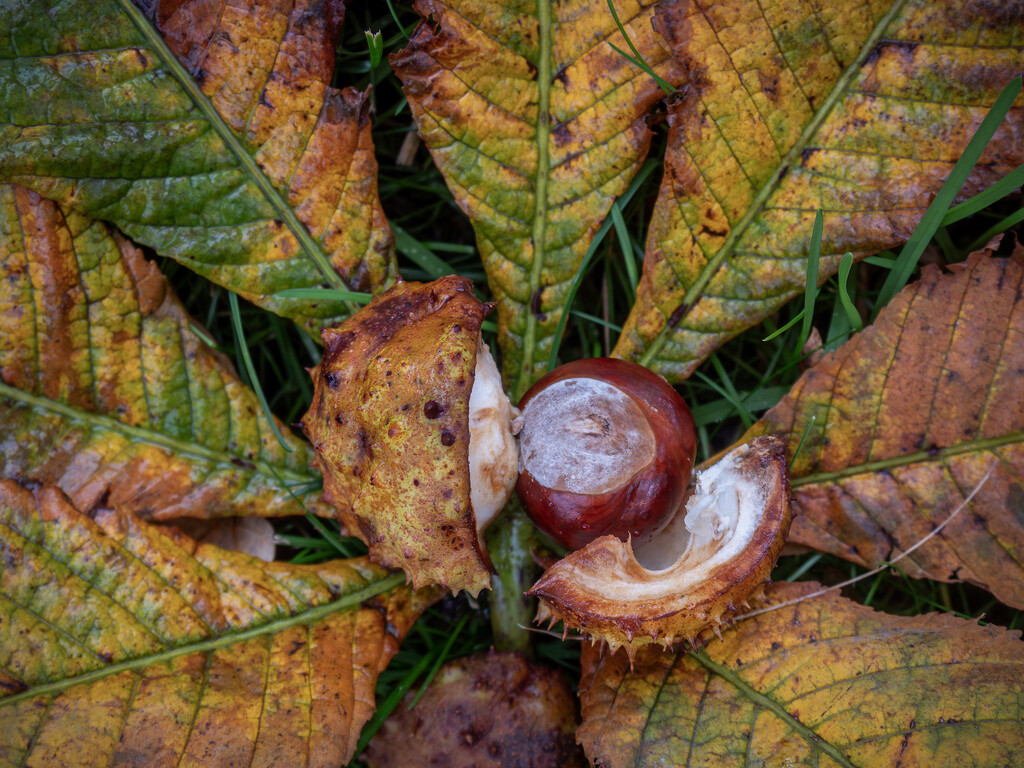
(715, 555)
(122, 643)
(108, 393)
(902, 422)
(395, 420)
(206, 131)
(493, 710)
(824, 681)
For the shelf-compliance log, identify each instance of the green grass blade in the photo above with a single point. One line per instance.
(636, 58)
(324, 294)
(419, 254)
(625, 245)
(811, 292)
(786, 327)
(641, 177)
(440, 660)
(856, 324)
(1000, 226)
(985, 198)
(388, 705)
(944, 199)
(254, 382)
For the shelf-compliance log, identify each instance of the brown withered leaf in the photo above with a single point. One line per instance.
(857, 109)
(904, 421)
(823, 682)
(122, 643)
(107, 393)
(537, 124)
(390, 425)
(206, 130)
(493, 710)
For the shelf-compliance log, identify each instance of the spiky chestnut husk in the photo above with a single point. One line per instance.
(607, 448)
(390, 422)
(737, 519)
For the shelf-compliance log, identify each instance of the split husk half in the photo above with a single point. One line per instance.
(714, 557)
(391, 422)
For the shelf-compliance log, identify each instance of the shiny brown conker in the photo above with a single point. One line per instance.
(607, 447)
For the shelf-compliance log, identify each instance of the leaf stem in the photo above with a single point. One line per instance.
(508, 541)
(526, 376)
(882, 465)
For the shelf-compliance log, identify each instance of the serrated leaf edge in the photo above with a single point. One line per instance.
(247, 161)
(648, 358)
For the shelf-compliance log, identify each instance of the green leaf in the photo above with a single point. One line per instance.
(201, 138)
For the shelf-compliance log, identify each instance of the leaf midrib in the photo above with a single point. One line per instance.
(140, 434)
(311, 248)
(309, 616)
(540, 203)
(883, 465)
(737, 232)
(813, 740)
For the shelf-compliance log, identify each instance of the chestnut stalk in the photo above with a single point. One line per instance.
(607, 447)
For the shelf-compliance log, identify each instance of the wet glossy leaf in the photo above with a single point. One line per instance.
(490, 711)
(858, 110)
(825, 682)
(537, 125)
(107, 393)
(207, 133)
(124, 644)
(905, 419)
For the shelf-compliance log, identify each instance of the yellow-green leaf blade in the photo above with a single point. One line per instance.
(107, 393)
(825, 682)
(537, 125)
(906, 419)
(214, 139)
(120, 641)
(860, 112)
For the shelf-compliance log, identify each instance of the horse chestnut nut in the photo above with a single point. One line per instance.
(607, 447)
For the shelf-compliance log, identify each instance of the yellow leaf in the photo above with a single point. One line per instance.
(824, 682)
(121, 643)
(538, 125)
(859, 110)
(108, 394)
(903, 421)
